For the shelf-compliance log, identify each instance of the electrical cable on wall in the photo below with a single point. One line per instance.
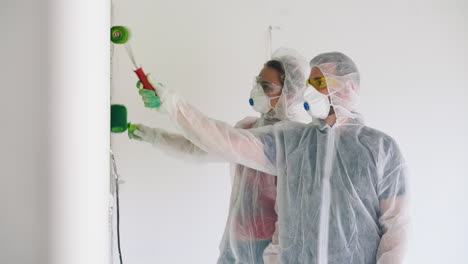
(116, 186)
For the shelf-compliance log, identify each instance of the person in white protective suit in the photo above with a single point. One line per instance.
(341, 186)
(277, 95)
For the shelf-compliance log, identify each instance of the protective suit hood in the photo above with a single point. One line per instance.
(289, 106)
(343, 80)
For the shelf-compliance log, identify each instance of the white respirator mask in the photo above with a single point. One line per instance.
(316, 103)
(259, 100)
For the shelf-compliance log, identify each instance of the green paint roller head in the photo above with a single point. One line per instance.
(119, 34)
(118, 118)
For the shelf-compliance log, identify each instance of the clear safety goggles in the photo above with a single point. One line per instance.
(268, 87)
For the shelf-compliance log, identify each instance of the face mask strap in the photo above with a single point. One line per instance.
(328, 95)
(330, 99)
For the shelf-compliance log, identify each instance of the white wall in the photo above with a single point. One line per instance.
(54, 116)
(413, 60)
(22, 134)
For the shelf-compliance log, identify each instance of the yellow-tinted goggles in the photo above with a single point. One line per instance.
(319, 83)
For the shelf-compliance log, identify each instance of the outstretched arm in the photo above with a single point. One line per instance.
(243, 146)
(236, 145)
(172, 144)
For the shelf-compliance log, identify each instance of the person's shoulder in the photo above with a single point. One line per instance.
(289, 126)
(247, 122)
(377, 138)
(373, 132)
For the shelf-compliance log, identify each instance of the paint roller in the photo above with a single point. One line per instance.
(119, 122)
(121, 35)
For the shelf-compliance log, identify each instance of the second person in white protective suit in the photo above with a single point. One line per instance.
(277, 95)
(341, 189)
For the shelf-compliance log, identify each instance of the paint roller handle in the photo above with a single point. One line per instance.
(148, 94)
(144, 80)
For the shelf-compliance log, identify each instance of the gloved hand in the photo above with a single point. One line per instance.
(150, 99)
(143, 133)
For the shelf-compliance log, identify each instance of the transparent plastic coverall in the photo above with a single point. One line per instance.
(252, 215)
(341, 189)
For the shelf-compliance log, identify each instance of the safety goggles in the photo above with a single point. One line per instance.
(318, 83)
(268, 87)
